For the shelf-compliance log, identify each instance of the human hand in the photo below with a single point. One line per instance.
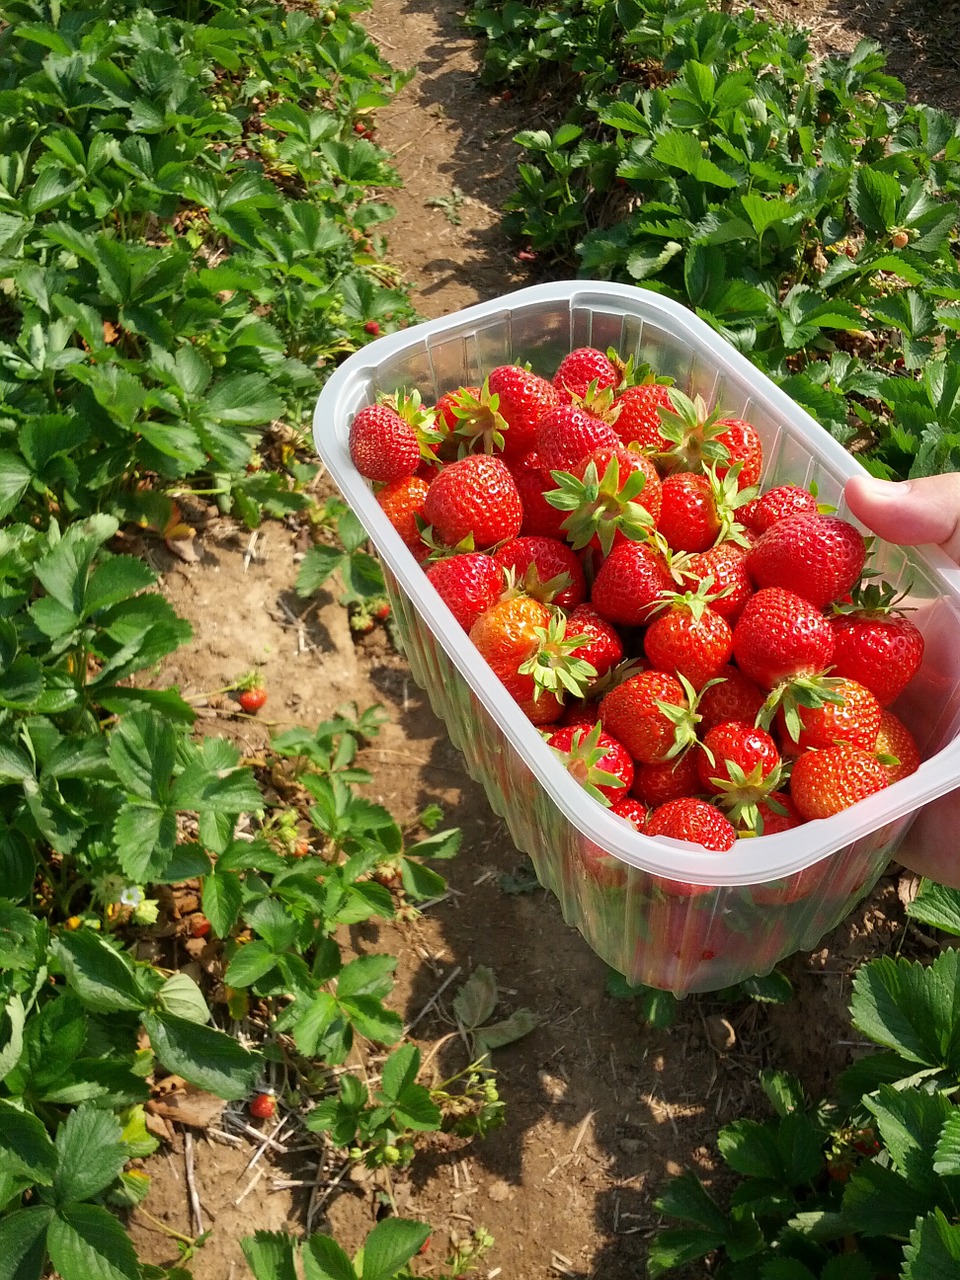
(909, 513)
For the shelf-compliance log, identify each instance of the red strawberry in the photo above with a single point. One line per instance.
(522, 399)
(402, 501)
(199, 925)
(382, 445)
(602, 648)
(600, 763)
(612, 494)
(533, 483)
(742, 443)
(263, 1106)
(638, 419)
(699, 440)
(733, 697)
(655, 784)
(632, 810)
(629, 581)
(895, 743)
(545, 568)
(726, 566)
(469, 585)
(826, 782)
(688, 638)
(776, 504)
(740, 765)
(474, 498)
(454, 406)
(777, 812)
(251, 693)
(600, 867)
(506, 633)
(567, 433)
(650, 714)
(850, 713)
(693, 820)
(688, 512)
(817, 557)
(779, 636)
(875, 644)
(584, 366)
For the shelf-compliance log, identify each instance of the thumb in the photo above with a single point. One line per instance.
(910, 512)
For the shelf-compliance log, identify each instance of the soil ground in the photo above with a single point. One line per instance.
(600, 1108)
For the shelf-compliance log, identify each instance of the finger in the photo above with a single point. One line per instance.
(910, 512)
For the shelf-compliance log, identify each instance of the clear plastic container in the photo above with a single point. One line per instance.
(666, 913)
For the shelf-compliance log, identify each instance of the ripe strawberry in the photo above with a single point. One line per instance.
(817, 557)
(251, 693)
(733, 697)
(402, 501)
(742, 443)
(850, 713)
(584, 366)
(740, 766)
(545, 568)
(527, 646)
(638, 419)
(655, 784)
(688, 638)
(896, 748)
(776, 812)
(522, 399)
(199, 925)
(776, 504)
(688, 512)
(602, 648)
(600, 763)
(828, 781)
(629, 582)
(469, 585)
(507, 633)
(372, 327)
(455, 406)
(779, 636)
(875, 644)
(263, 1106)
(474, 498)
(612, 494)
(650, 714)
(566, 433)
(382, 445)
(726, 565)
(699, 440)
(693, 820)
(533, 483)
(632, 810)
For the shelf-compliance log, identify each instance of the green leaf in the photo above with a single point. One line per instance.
(912, 1008)
(686, 1198)
(250, 963)
(246, 398)
(15, 477)
(102, 978)
(204, 1056)
(88, 1243)
(910, 1123)
(784, 1091)
(683, 151)
(763, 212)
(365, 976)
(390, 1245)
(316, 567)
(672, 1248)
(12, 1019)
(23, 1250)
(873, 198)
(270, 1255)
(421, 882)
(180, 995)
(25, 1146)
(222, 898)
(938, 906)
(90, 1153)
(947, 1153)
(323, 1259)
(933, 1251)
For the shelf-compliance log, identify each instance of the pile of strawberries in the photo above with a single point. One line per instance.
(709, 660)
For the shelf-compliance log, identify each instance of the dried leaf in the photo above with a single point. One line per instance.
(477, 998)
(498, 1034)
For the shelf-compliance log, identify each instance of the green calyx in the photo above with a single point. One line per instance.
(545, 590)
(480, 424)
(554, 665)
(694, 602)
(582, 762)
(740, 794)
(684, 718)
(792, 696)
(875, 600)
(601, 506)
(410, 407)
(692, 431)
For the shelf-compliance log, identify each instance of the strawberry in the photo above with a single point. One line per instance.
(740, 766)
(613, 493)
(650, 714)
(776, 504)
(506, 633)
(545, 568)
(372, 327)
(638, 419)
(476, 499)
(631, 810)
(388, 440)
(251, 693)
(848, 713)
(533, 483)
(732, 697)
(655, 784)
(602, 646)
(828, 781)
(688, 512)
(600, 763)
(402, 502)
(687, 637)
(726, 566)
(584, 366)
(199, 925)
(699, 440)
(776, 812)
(522, 400)
(693, 820)
(779, 636)
(454, 408)
(629, 582)
(817, 557)
(469, 585)
(567, 433)
(263, 1106)
(874, 643)
(742, 443)
(896, 748)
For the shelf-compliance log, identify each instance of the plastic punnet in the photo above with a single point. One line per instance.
(662, 912)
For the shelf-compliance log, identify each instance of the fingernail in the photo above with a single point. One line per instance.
(885, 490)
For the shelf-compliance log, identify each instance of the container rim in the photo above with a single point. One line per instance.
(751, 861)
